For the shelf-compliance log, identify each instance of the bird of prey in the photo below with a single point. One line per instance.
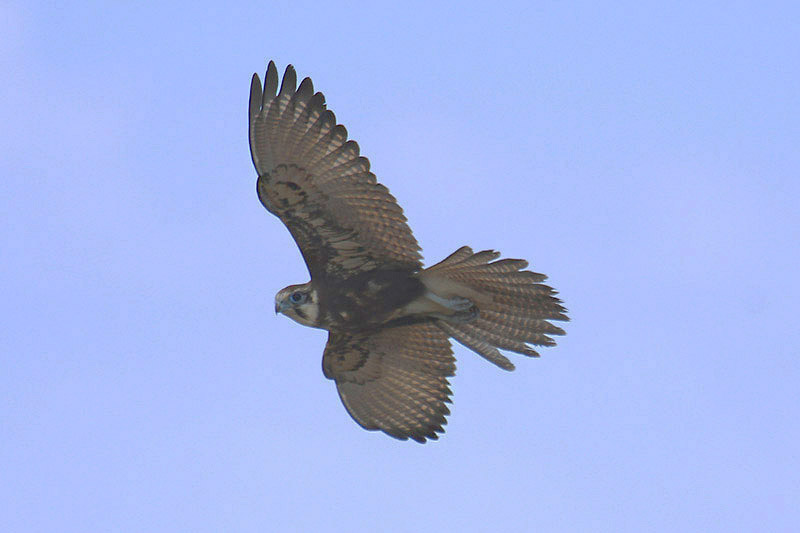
(388, 318)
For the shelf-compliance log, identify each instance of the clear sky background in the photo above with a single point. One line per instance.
(644, 155)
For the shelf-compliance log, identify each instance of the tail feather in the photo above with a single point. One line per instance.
(476, 343)
(529, 324)
(504, 338)
(513, 305)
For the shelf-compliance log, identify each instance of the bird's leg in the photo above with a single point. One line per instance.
(463, 308)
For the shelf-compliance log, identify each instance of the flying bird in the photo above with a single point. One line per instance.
(389, 319)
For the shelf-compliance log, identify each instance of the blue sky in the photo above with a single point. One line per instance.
(644, 155)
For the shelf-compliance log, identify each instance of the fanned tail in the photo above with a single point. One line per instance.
(513, 305)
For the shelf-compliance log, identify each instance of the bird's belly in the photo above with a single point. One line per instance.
(370, 304)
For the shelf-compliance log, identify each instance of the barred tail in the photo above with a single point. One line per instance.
(513, 305)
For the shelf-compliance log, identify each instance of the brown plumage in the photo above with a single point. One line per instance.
(388, 318)
(393, 378)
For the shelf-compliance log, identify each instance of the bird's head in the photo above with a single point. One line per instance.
(298, 302)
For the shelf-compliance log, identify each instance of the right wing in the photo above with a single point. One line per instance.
(393, 379)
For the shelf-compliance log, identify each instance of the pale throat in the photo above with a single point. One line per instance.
(306, 314)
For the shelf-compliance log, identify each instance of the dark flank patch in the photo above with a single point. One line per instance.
(369, 298)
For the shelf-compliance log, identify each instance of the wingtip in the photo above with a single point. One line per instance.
(306, 89)
(256, 96)
(271, 79)
(289, 82)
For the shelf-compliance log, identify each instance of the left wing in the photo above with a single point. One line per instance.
(393, 379)
(314, 180)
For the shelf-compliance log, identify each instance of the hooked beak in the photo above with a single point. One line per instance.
(280, 307)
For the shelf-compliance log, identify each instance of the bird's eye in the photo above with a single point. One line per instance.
(296, 297)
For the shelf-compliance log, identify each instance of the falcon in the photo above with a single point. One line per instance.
(389, 319)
